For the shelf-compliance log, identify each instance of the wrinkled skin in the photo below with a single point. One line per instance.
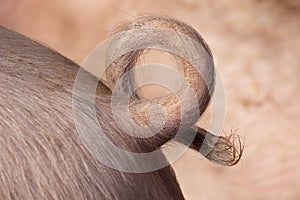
(42, 156)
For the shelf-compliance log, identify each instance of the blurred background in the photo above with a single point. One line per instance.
(256, 46)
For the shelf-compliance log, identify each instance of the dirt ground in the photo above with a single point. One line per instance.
(256, 45)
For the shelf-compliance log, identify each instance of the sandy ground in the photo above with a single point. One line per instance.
(256, 46)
